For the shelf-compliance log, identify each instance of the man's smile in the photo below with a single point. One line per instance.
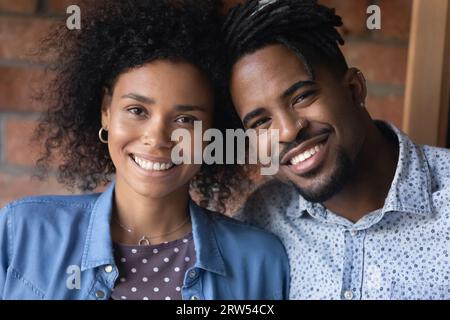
(307, 156)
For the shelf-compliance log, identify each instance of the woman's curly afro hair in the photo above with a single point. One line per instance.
(114, 37)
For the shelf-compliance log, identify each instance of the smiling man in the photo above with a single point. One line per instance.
(363, 212)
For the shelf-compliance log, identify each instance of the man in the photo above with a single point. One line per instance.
(363, 212)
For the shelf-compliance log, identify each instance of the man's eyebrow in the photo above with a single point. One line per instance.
(139, 98)
(185, 108)
(297, 86)
(252, 114)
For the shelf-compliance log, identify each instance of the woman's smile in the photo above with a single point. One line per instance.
(153, 168)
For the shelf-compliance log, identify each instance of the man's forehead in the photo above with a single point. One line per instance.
(274, 62)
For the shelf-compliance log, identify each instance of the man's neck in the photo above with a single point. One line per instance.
(372, 177)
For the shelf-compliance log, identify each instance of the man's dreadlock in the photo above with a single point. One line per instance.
(304, 26)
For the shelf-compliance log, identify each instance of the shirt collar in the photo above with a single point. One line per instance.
(410, 189)
(98, 244)
(207, 251)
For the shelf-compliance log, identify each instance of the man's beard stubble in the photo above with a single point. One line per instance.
(330, 185)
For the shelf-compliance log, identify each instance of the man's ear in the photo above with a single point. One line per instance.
(106, 107)
(357, 85)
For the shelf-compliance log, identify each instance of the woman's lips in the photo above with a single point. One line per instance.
(144, 169)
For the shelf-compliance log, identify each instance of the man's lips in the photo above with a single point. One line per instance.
(304, 146)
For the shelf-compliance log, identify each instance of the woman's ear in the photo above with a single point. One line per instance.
(357, 86)
(106, 107)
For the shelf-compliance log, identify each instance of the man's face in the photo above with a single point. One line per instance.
(271, 89)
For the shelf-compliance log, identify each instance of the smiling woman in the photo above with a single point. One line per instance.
(138, 71)
(96, 55)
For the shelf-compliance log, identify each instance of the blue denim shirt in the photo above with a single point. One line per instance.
(60, 247)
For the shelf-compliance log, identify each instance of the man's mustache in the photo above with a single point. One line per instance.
(302, 136)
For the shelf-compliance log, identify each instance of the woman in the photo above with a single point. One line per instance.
(136, 71)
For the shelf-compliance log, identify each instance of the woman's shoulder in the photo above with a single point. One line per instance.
(49, 205)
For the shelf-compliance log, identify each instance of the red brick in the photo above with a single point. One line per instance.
(380, 62)
(388, 108)
(18, 86)
(15, 186)
(18, 6)
(20, 37)
(395, 19)
(353, 13)
(17, 145)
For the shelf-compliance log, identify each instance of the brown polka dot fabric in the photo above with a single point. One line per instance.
(154, 272)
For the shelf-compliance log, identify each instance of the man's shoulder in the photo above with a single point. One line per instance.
(269, 199)
(438, 160)
(240, 238)
(272, 192)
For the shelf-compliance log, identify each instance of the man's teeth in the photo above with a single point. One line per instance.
(150, 165)
(306, 155)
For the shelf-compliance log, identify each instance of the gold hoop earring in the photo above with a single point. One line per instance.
(100, 135)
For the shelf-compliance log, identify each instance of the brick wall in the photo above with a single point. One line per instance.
(380, 54)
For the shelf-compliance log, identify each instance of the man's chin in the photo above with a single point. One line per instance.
(318, 185)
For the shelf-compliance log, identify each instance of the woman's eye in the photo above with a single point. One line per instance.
(186, 119)
(138, 111)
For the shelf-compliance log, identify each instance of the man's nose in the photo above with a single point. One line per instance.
(289, 125)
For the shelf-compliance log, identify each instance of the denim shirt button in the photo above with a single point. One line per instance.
(99, 294)
(194, 297)
(109, 268)
(192, 274)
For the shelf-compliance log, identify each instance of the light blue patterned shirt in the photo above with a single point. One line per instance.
(400, 251)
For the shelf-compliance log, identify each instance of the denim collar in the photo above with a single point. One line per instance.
(98, 244)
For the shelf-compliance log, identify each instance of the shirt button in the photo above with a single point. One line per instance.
(99, 294)
(109, 268)
(192, 274)
(354, 233)
(194, 297)
(348, 295)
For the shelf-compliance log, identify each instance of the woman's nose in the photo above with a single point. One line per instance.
(157, 135)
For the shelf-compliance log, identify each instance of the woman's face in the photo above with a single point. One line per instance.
(147, 104)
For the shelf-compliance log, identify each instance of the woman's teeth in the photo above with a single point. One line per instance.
(150, 165)
(306, 155)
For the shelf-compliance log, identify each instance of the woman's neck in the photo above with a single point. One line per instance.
(159, 219)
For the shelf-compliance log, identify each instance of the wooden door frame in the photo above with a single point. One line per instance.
(427, 95)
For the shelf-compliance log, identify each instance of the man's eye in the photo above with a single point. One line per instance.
(302, 97)
(259, 123)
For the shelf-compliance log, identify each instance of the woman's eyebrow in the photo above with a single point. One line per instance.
(139, 98)
(185, 108)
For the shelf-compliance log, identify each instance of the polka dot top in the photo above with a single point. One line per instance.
(154, 272)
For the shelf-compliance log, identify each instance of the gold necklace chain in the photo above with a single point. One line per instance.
(144, 240)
